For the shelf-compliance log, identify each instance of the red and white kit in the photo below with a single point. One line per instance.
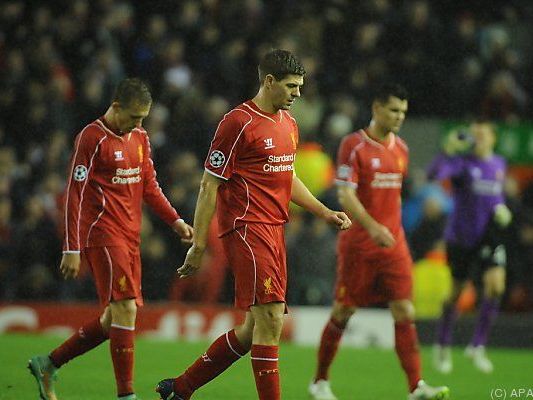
(367, 273)
(110, 176)
(254, 153)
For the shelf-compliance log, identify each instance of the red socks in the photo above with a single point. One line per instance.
(331, 337)
(407, 349)
(86, 338)
(266, 373)
(91, 335)
(219, 356)
(122, 340)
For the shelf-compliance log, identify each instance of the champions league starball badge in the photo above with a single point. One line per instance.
(80, 173)
(217, 158)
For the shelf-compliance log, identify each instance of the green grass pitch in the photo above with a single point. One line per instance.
(369, 374)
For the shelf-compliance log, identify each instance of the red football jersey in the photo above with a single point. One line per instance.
(376, 171)
(253, 152)
(109, 177)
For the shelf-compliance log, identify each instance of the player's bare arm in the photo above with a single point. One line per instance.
(184, 230)
(70, 264)
(205, 208)
(349, 202)
(304, 198)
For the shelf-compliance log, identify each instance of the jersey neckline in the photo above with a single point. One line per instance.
(251, 104)
(114, 131)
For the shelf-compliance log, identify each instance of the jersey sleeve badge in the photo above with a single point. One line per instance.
(80, 173)
(217, 159)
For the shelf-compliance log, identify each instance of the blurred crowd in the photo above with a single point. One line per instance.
(60, 61)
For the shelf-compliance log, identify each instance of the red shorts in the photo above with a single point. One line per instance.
(362, 282)
(116, 271)
(257, 256)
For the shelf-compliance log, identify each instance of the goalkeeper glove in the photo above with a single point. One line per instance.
(502, 215)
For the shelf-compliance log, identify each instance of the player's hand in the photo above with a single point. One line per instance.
(456, 142)
(184, 230)
(70, 265)
(339, 219)
(191, 263)
(502, 215)
(381, 235)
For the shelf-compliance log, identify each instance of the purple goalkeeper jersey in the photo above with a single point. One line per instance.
(477, 187)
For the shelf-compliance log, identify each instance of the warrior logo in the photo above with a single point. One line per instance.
(269, 144)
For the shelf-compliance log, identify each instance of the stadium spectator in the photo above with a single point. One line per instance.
(504, 97)
(475, 234)
(156, 252)
(428, 232)
(374, 264)
(36, 232)
(111, 175)
(310, 253)
(6, 248)
(249, 178)
(521, 295)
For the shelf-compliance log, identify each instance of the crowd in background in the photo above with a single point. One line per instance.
(60, 61)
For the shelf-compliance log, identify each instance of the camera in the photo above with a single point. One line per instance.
(466, 136)
(467, 140)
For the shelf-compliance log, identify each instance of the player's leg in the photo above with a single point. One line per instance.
(493, 288)
(406, 340)
(124, 296)
(232, 345)
(355, 279)
(331, 337)
(44, 368)
(460, 260)
(266, 298)
(88, 336)
(122, 344)
(407, 349)
(320, 388)
(264, 352)
(396, 283)
(442, 355)
(222, 353)
(493, 258)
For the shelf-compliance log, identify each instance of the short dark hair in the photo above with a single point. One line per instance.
(132, 90)
(387, 90)
(279, 63)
